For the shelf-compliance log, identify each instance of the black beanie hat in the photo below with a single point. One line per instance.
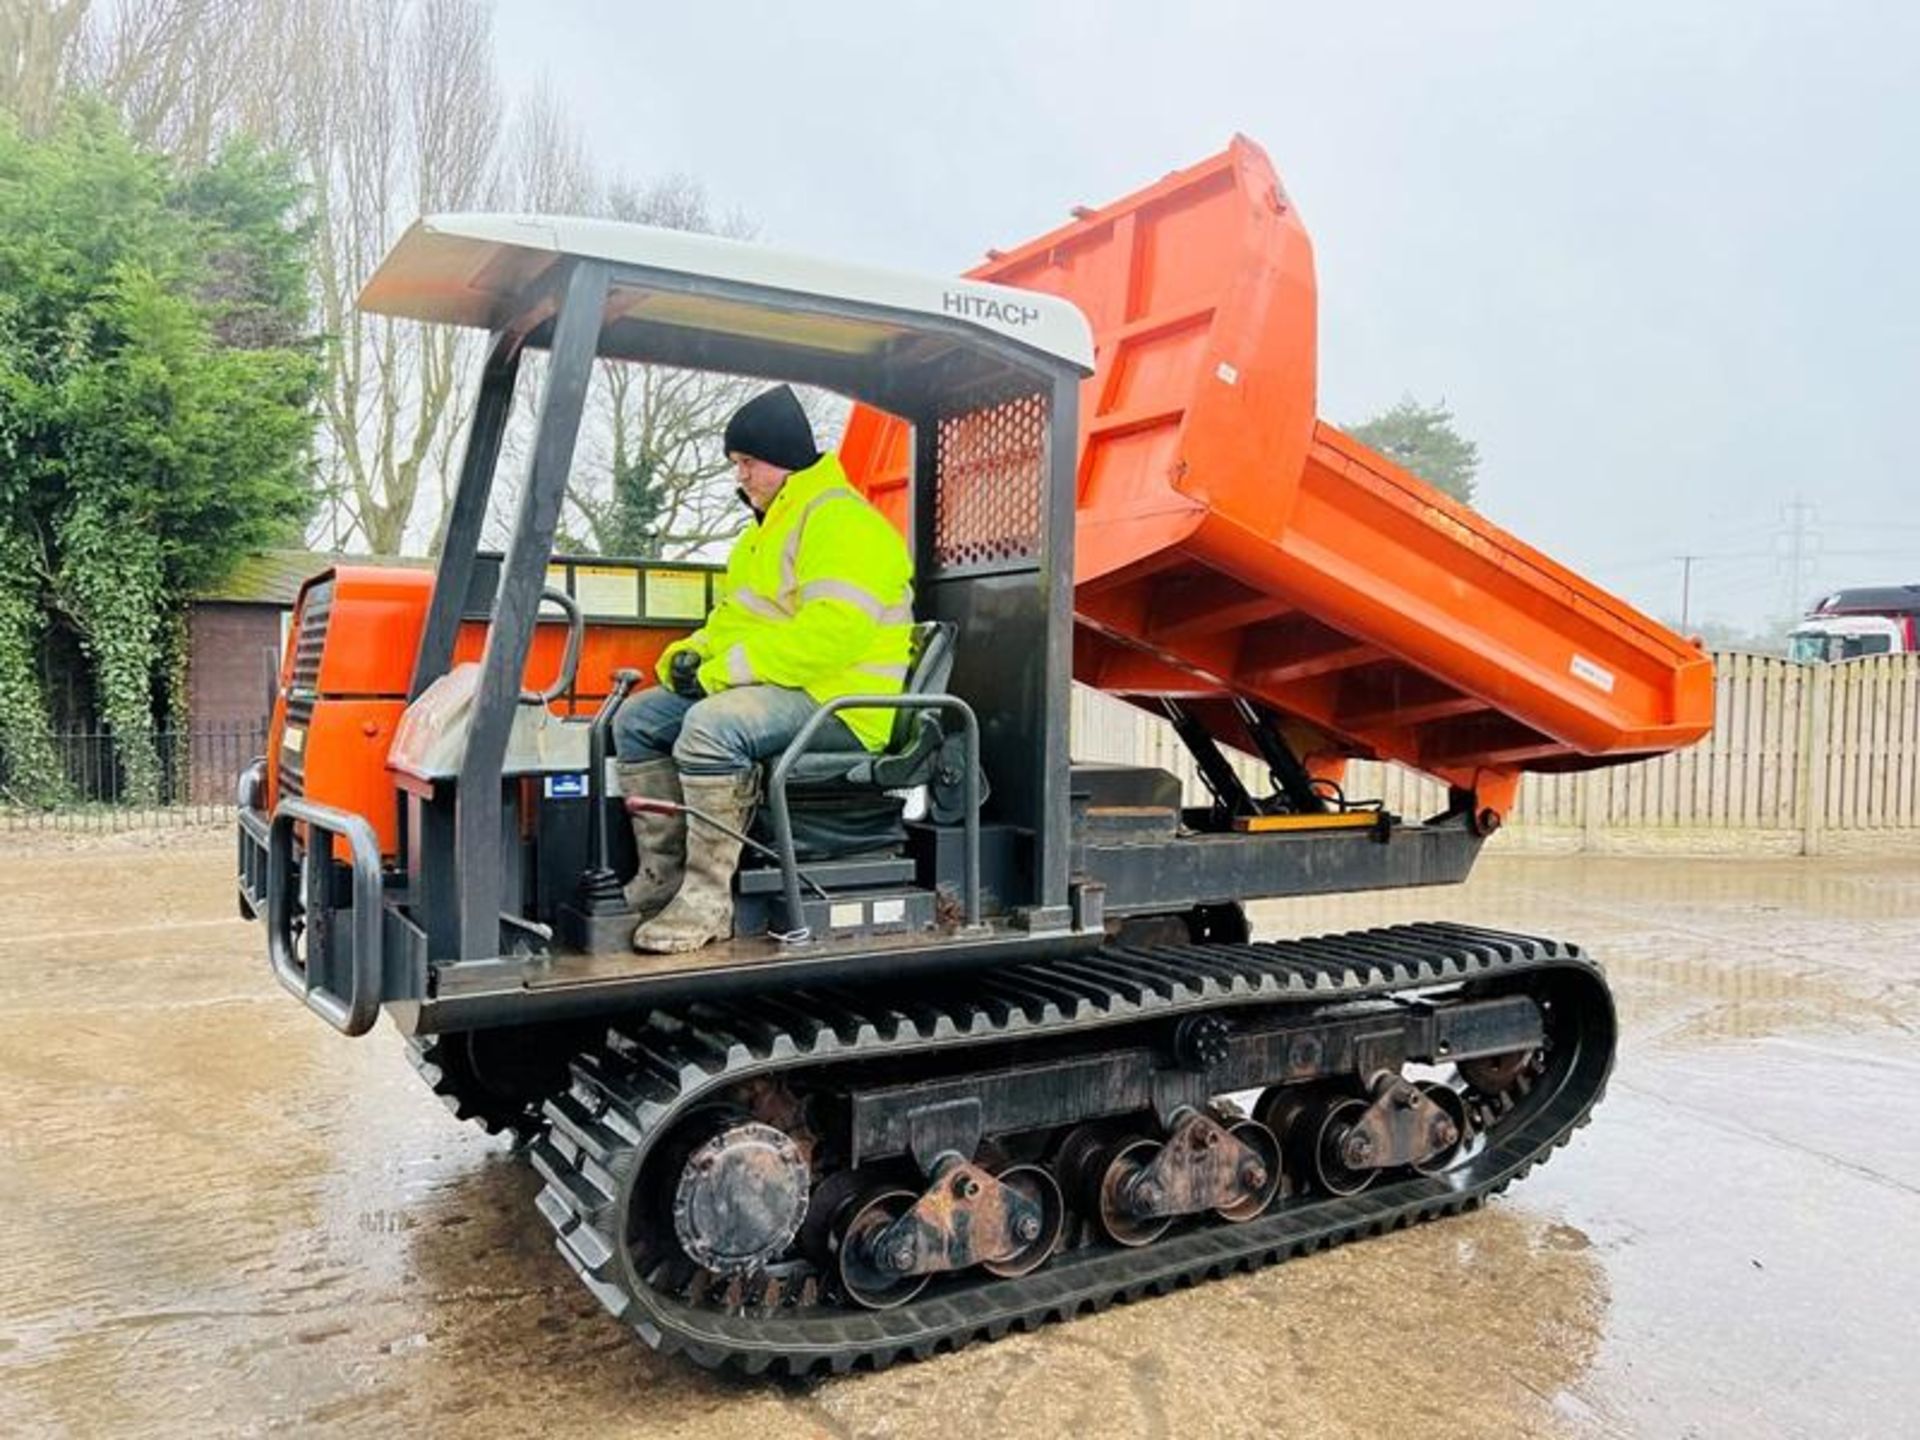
(774, 428)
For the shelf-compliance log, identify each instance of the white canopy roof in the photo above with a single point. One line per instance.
(473, 269)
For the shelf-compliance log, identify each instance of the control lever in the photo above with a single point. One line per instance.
(599, 891)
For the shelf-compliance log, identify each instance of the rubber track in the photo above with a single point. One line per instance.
(624, 1097)
(438, 1064)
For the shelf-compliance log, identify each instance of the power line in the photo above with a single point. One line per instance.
(1647, 562)
(1801, 540)
(1788, 568)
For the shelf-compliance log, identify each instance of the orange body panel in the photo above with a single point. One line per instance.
(380, 610)
(358, 682)
(345, 744)
(1229, 544)
(605, 649)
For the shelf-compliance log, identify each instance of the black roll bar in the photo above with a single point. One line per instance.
(480, 877)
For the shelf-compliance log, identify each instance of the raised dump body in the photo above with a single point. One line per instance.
(1232, 545)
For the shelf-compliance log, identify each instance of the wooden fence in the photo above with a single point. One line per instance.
(1802, 759)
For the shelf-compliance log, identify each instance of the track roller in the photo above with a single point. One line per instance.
(1262, 1180)
(1449, 1135)
(1343, 1152)
(1038, 1242)
(1104, 1174)
(1134, 1187)
(869, 1277)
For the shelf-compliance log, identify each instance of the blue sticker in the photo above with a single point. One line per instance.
(566, 787)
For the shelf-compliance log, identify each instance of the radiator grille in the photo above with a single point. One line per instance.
(316, 608)
(293, 756)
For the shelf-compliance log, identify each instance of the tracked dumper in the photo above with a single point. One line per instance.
(992, 1044)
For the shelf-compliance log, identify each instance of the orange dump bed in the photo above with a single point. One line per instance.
(1231, 544)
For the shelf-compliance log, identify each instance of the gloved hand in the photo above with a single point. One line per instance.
(684, 673)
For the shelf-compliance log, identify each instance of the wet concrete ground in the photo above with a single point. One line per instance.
(218, 1217)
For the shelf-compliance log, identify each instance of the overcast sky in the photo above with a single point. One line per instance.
(1660, 258)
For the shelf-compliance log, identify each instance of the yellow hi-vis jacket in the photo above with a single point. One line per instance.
(818, 596)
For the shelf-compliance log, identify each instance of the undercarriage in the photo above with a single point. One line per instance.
(833, 1178)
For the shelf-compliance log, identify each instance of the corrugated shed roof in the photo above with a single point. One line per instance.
(274, 577)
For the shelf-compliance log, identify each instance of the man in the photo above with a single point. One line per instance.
(818, 603)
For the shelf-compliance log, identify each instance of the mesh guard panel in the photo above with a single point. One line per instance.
(992, 465)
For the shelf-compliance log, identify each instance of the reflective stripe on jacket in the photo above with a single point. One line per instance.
(818, 596)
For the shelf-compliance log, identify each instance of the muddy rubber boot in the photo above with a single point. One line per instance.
(660, 840)
(703, 910)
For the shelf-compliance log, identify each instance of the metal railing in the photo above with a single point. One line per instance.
(783, 818)
(80, 780)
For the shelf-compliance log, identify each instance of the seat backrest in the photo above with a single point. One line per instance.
(930, 657)
(929, 667)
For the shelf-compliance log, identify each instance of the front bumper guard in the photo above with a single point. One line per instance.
(335, 968)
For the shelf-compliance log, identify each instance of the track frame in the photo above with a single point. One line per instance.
(628, 1094)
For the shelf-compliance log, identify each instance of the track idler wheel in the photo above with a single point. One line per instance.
(740, 1198)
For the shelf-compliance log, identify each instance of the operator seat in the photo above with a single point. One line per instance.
(852, 802)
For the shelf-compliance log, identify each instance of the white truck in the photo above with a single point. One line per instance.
(1874, 620)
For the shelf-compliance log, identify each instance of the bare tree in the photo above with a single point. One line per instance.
(648, 474)
(651, 478)
(177, 69)
(41, 42)
(394, 107)
(662, 486)
(547, 165)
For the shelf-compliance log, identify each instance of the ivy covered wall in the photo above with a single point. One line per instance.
(157, 375)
